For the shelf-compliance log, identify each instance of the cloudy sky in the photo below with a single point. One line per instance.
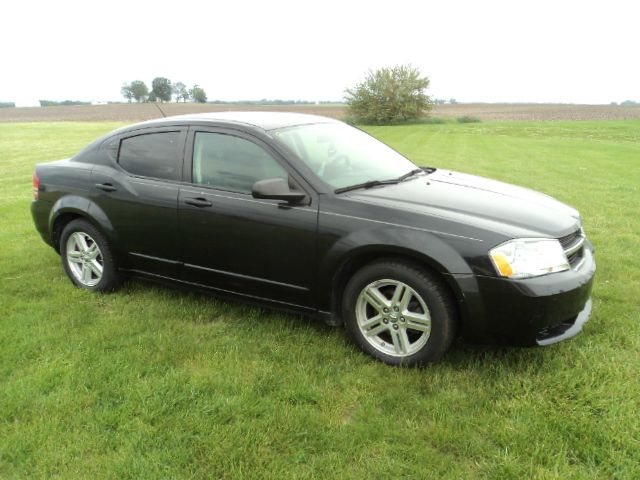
(490, 51)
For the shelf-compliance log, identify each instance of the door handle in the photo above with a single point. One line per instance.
(106, 187)
(198, 202)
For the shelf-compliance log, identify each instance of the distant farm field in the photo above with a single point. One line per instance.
(151, 382)
(484, 111)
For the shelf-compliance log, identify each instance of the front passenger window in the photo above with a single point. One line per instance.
(231, 163)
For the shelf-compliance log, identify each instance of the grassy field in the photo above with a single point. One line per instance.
(157, 383)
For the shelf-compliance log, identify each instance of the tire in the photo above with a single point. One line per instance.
(87, 258)
(399, 313)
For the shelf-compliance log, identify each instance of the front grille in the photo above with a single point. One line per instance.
(575, 258)
(573, 245)
(570, 239)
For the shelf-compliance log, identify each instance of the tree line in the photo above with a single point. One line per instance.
(162, 90)
(55, 103)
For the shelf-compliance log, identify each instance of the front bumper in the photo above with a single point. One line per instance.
(558, 333)
(534, 311)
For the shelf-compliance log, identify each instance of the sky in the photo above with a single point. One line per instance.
(560, 51)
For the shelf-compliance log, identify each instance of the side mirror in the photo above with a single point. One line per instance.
(276, 189)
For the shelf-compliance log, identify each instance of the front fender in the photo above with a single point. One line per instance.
(443, 255)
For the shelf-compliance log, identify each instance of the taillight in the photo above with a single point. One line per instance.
(36, 186)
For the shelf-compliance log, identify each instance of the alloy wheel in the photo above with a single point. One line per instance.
(84, 259)
(393, 317)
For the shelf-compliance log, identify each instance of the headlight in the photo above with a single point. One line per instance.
(529, 257)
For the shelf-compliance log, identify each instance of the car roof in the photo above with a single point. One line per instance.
(262, 120)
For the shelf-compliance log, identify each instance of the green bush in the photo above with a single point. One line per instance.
(389, 96)
(431, 121)
(468, 119)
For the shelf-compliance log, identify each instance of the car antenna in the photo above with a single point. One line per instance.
(158, 107)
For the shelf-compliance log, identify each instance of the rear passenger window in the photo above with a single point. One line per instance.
(157, 155)
(231, 163)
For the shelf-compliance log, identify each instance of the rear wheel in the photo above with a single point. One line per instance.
(399, 313)
(86, 257)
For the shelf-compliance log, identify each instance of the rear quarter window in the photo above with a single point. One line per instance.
(157, 155)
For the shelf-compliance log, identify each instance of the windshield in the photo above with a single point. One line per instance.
(342, 155)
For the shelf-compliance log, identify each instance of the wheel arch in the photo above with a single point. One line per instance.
(426, 251)
(72, 207)
(359, 259)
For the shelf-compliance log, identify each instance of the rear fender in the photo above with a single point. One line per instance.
(85, 208)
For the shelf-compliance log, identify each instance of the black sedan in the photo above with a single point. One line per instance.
(307, 214)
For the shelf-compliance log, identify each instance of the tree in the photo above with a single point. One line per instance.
(180, 91)
(198, 94)
(139, 90)
(127, 92)
(161, 87)
(389, 95)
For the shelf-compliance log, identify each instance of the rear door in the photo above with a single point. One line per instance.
(138, 193)
(233, 242)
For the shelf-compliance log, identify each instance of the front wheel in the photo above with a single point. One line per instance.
(86, 257)
(399, 313)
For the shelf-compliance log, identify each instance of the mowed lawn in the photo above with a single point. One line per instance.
(152, 382)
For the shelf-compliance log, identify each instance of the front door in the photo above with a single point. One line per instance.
(258, 248)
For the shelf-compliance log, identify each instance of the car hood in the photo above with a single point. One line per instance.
(496, 206)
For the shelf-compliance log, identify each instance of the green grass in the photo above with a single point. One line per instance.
(152, 382)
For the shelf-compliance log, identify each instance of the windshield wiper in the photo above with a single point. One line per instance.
(369, 184)
(413, 172)
(375, 183)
